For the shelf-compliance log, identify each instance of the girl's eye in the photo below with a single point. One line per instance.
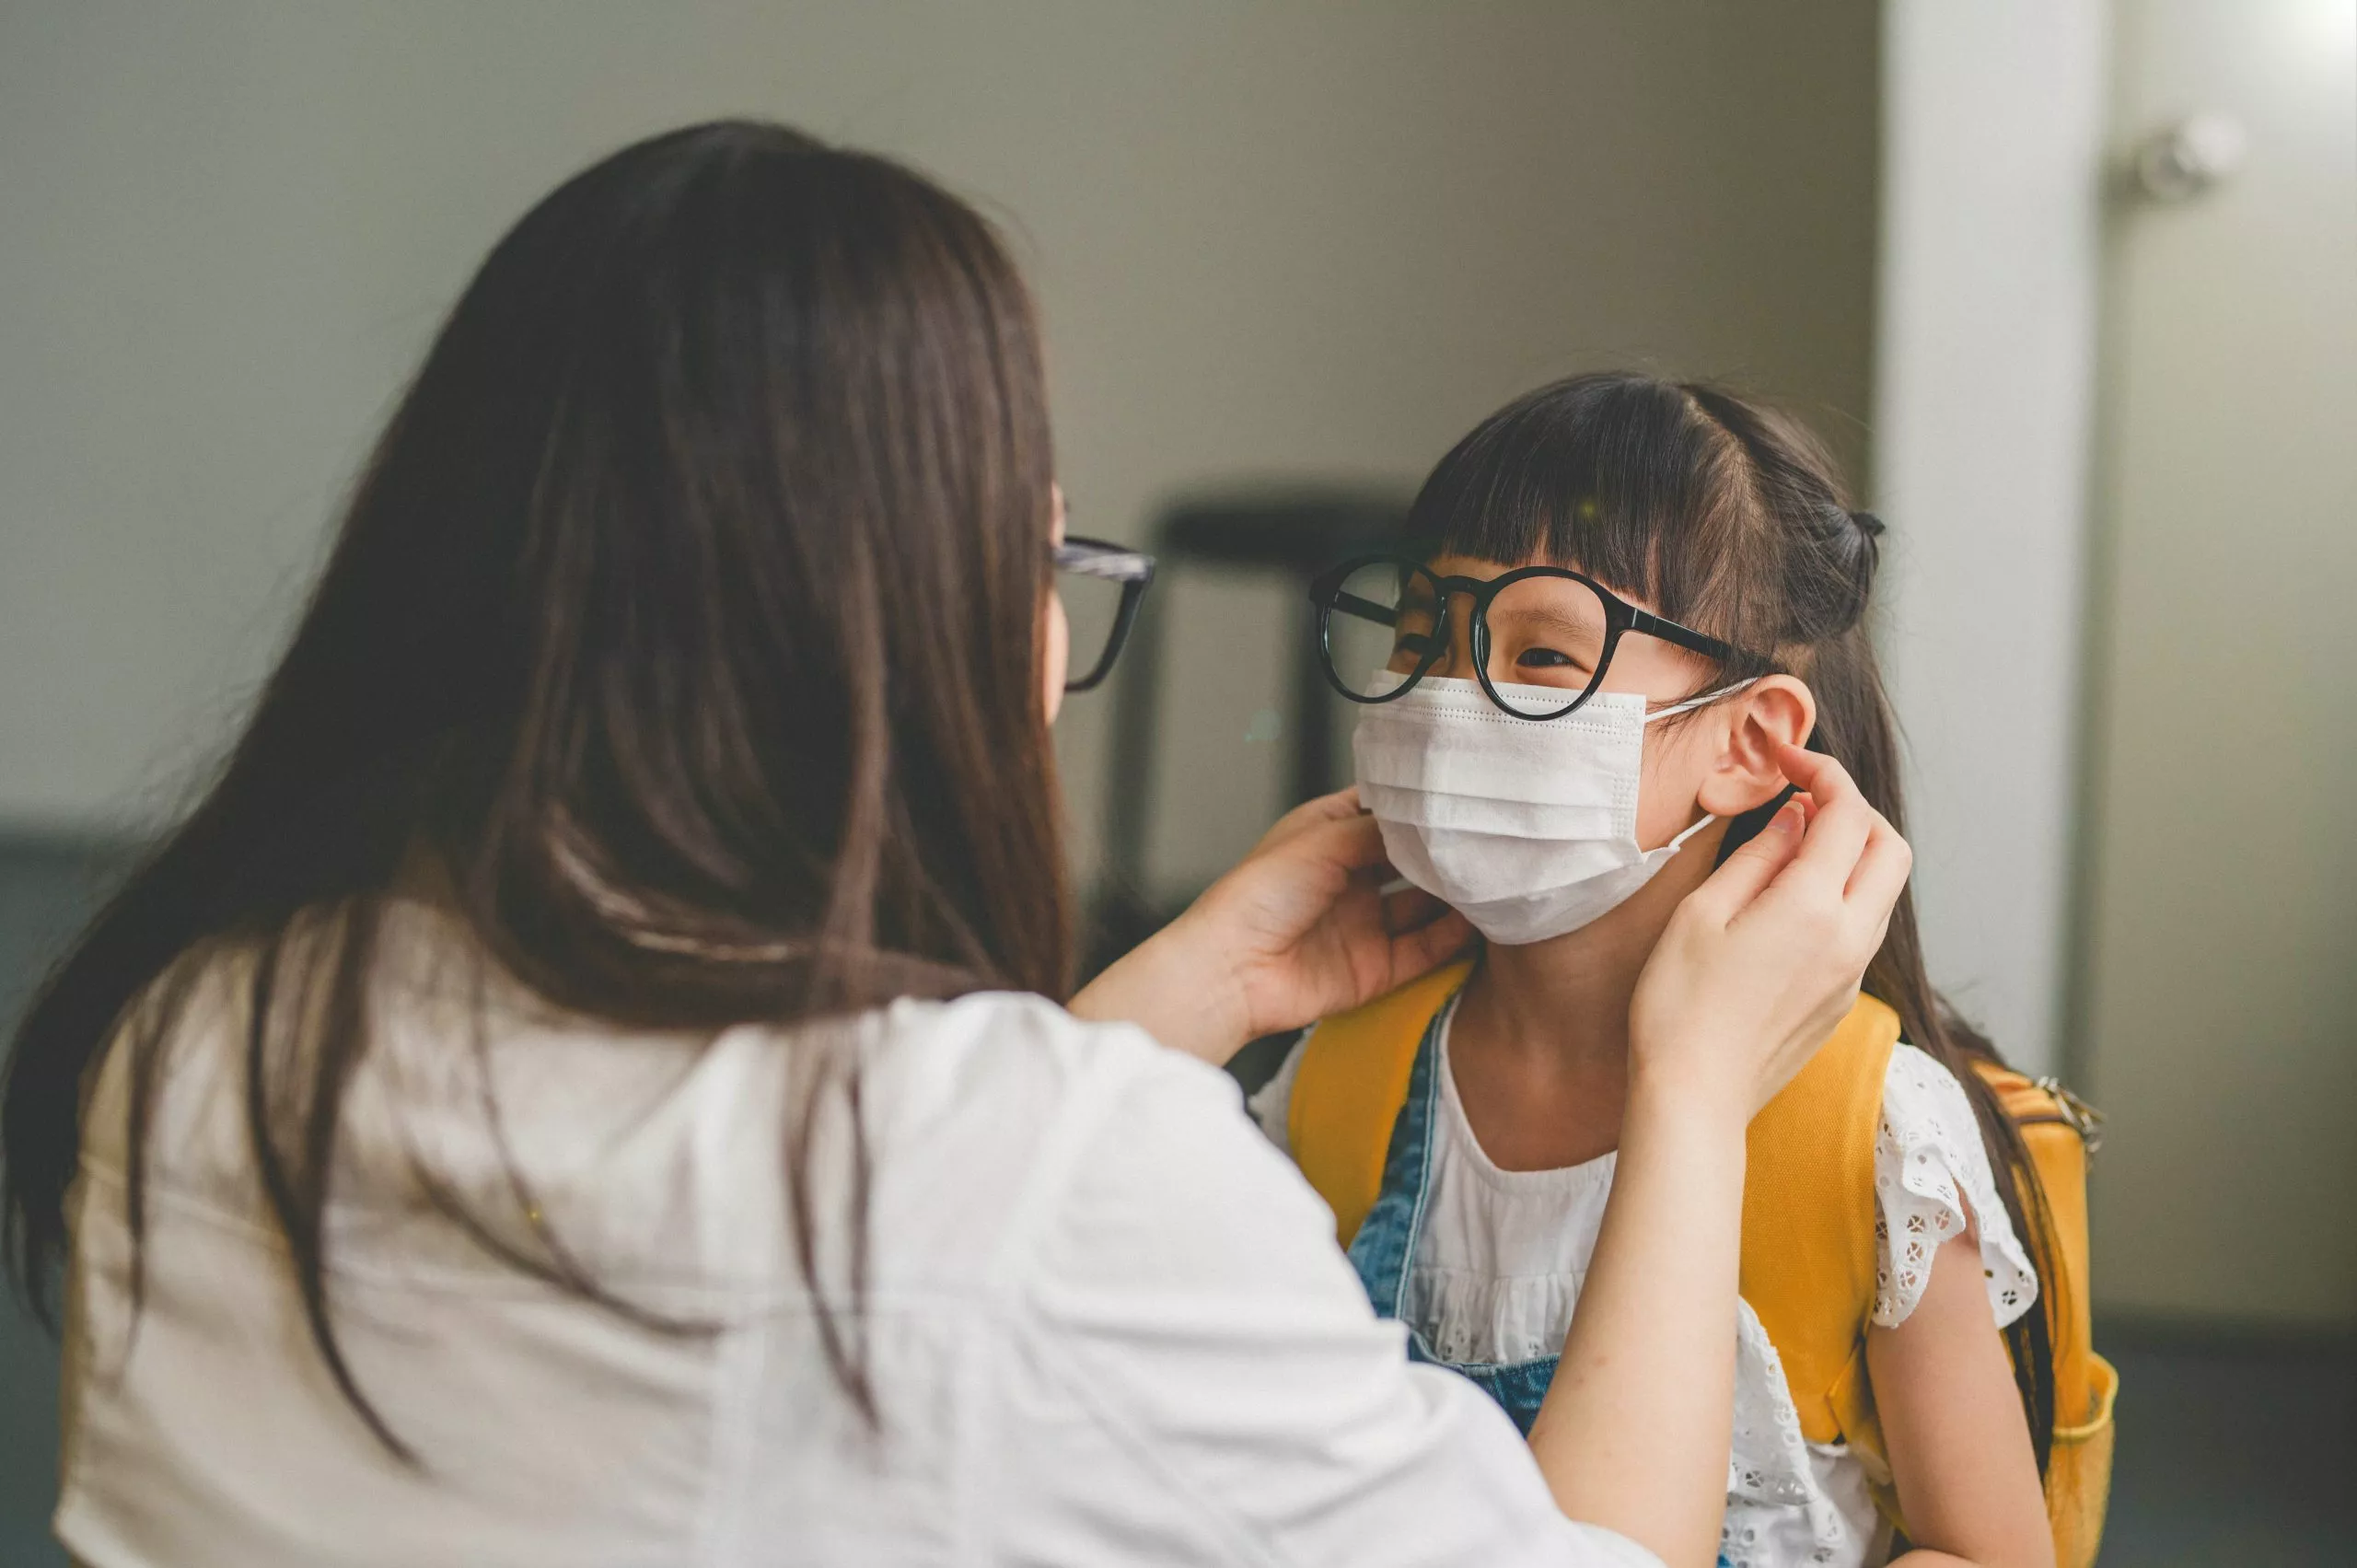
(1543, 658)
(1415, 645)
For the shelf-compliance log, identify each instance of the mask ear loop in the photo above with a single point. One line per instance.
(1705, 701)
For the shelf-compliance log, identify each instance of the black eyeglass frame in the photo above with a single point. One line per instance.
(1620, 618)
(1108, 562)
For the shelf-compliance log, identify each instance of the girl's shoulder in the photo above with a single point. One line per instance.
(1933, 1183)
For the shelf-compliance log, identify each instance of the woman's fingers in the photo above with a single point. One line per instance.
(1882, 870)
(1875, 886)
(1350, 842)
(1823, 785)
(1410, 909)
(1838, 828)
(1740, 992)
(1750, 870)
(1851, 853)
(1804, 767)
(1428, 946)
(1340, 805)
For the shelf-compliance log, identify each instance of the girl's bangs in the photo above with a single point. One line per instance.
(1615, 477)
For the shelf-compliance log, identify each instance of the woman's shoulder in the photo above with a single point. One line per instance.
(1027, 1055)
(663, 1145)
(1024, 1045)
(1100, 1172)
(978, 1120)
(995, 1065)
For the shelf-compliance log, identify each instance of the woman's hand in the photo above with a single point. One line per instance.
(1762, 962)
(1757, 968)
(1300, 929)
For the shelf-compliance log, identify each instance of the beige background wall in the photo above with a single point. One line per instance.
(1271, 239)
(2221, 963)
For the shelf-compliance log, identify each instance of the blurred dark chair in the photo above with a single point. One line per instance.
(1290, 534)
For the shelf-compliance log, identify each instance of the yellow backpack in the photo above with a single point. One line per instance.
(1808, 1222)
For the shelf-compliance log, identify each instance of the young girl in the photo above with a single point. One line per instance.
(1618, 593)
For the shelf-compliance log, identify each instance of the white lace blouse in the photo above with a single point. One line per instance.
(1503, 1253)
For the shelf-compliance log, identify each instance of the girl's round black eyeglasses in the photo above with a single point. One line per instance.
(1394, 614)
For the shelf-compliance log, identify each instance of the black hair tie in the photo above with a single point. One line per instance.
(1867, 524)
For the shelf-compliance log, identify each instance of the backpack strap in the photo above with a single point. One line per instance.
(1809, 1264)
(1808, 1214)
(1350, 1088)
(2058, 1131)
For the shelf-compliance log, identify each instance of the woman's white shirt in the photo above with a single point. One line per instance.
(1502, 1255)
(1106, 1322)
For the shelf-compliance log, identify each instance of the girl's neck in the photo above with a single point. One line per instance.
(1564, 1001)
(1539, 1047)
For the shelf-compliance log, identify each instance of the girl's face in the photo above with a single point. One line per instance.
(1549, 631)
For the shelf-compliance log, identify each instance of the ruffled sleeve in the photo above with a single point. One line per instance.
(1932, 1184)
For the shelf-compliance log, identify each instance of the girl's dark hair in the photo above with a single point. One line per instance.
(1732, 519)
(682, 633)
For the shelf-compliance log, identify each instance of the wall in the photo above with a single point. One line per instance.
(2221, 1001)
(1272, 239)
(1984, 386)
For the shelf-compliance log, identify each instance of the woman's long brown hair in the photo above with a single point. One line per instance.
(1731, 518)
(682, 625)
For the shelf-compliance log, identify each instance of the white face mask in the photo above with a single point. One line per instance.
(1527, 827)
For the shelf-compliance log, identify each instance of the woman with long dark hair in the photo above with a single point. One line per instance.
(588, 1083)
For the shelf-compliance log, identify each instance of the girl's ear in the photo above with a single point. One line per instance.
(1744, 774)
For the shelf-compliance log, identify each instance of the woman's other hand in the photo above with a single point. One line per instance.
(1761, 962)
(1299, 930)
(1756, 967)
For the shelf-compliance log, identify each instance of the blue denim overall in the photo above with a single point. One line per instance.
(1385, 1243)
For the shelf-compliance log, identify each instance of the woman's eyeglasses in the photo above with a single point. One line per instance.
(1384, 622)
(1101, 585)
